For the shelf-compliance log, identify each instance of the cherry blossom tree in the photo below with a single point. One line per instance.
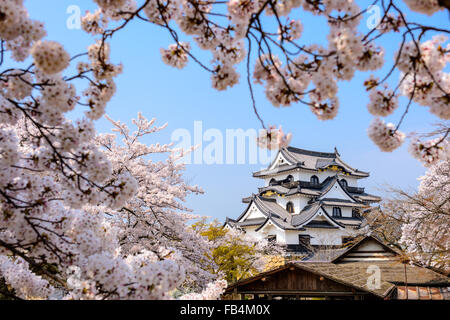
(79, 211)
(418, 222)
(154, 218)
(427, 213)
(141, 247)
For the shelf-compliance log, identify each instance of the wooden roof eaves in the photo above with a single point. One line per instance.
(351, 168)
(258, 276)
(355, 245)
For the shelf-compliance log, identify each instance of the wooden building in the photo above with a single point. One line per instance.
(367, 270)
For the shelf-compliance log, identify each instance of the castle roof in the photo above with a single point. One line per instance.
(301, 159)
(357, 195)
(280, 217)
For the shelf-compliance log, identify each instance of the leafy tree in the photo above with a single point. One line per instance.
(235, 254)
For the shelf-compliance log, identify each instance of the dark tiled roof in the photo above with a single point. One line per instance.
(297, 151)
(296, 157)
(273, 212)
(355, 275)
(278, 189)
(306, 214)
(276, 170)
(306, 188)
(392, 272)
(320, 224)
(342, 203)
(269, 206)
(251, 222)
(366, 197)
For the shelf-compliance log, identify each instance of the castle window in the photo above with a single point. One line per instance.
(289, 178)
(290, 207)
(304, 240)
(344, 183)
(272, 238)
(355, 213)
(314, 180)
(272, 182)
(337, 212)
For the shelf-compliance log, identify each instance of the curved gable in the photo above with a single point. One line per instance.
(280, 159)
(336, 191)
(318, 213)
(252, 212)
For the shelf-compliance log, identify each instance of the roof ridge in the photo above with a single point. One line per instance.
(311, 152)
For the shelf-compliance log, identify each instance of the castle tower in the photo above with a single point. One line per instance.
(309, 199)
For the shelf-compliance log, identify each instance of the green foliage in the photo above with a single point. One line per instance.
(235, 258)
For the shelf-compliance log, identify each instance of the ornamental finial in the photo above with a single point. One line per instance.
(336, 151)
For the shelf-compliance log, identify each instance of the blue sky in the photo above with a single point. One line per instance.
(182, 97)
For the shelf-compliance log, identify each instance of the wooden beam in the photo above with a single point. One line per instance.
(305, 293)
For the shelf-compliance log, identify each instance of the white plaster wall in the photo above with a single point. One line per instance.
(251, 231)
(370, 246)
(351, 181)
(270, 229)
(306, 176)
(325, 237)
(346, 211)
(299, 202)
(292, 237)
(318, 236)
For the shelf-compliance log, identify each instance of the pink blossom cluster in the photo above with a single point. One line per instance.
(385, 136)
(429, 152)
(383, 101)
(429, 84)
(16, 273)
(212, 292)
(424, 6)
(273, 138)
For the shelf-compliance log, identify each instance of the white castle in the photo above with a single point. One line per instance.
(309, 199)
